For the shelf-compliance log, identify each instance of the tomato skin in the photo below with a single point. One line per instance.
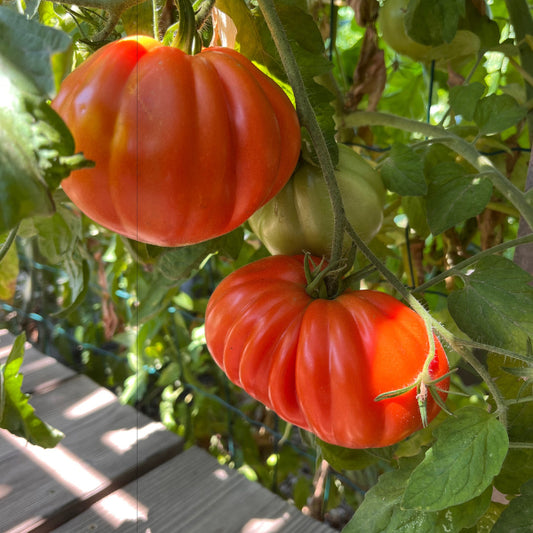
(170, 134)
(320, 363)
(300, 217)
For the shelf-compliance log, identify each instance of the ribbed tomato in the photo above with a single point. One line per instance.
(300, 217)
(186, 147)
(319, 363)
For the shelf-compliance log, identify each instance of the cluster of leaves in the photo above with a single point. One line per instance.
(449, 139)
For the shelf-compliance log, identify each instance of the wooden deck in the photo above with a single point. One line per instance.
(117, 470)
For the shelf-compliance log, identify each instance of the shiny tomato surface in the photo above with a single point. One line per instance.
(318, 363)
(186, 147)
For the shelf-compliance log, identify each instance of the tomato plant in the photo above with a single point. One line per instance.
(186, 147)
(321, 363)
(453, 148)
(300, 217)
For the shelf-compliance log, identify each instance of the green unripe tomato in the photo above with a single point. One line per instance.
(300, 217)
(392, 24)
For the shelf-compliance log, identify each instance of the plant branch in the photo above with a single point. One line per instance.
(457, 144)
(456, 270)
(309, 121)
(8, 242)
(115, 8)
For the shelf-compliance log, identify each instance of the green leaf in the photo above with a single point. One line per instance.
(347, 459)
(516, 470)
(415, 209)
(470, 449)
(36, 148)
(433, 22)
(483, 26)
(454, 196)
(494, 307)
(497, 112)
(255, 42)
(179, 263)
(403, 173)
(16, 414)
(464, 99)
(517, 517)
(58, 235)
(30, 47)
(382, 512)
(9, 270)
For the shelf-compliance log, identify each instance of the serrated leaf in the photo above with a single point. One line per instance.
(17, 415)
(30, 47)
(36, 148)
(517, 517)
(403, 172)
(440, 20)
(464, 99)
(497, 112)
(470, 449)
(381, 510)
(494, 307)
(179, 263)
(454, 196)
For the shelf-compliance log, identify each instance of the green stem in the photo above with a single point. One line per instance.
(203, 13)
(457, 269)
(155, 18)
(525, 445)
(8, 242)
(309, 121)
(457, 144)
(522, 21)
(472, 360)
(186, 37)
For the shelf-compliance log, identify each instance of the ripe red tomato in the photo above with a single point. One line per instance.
(318, 363)
(186, 147)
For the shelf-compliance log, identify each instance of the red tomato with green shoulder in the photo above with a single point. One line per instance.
(320, 363)
(300, 217)
(186, 148)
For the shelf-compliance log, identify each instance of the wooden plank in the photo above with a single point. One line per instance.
(41, 372)
(106, 446)
(193, 493)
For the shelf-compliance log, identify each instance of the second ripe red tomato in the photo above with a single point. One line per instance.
(186, 147)
(320, 363)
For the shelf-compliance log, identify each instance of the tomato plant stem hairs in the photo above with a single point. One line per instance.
(309, 122)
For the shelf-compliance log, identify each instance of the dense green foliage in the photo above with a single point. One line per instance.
(450, 136)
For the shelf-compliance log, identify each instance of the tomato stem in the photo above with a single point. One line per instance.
(186, 38)
(309, 121)
(6, 245)
(457, 144)
(459, 267)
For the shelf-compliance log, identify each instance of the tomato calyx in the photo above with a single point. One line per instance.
(186, 37)
(423, 387)
(325, 280)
